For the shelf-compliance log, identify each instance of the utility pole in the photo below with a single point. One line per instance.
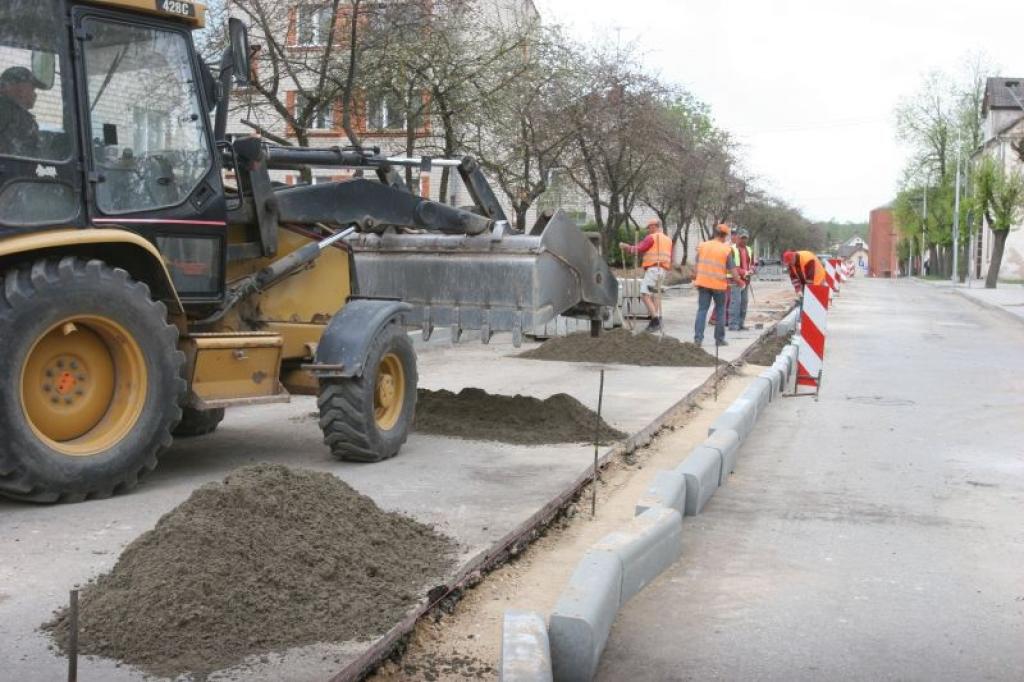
(956, 214)
(924, 223)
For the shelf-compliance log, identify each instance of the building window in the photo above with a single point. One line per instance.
(313, 24)
(149, 130)
(385, 112)
(321, 119)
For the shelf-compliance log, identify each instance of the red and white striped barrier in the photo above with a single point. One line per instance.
(811, 346)
(840, 269)
(830, 275)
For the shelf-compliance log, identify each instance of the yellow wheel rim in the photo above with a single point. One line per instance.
(389, 393)
(83, 385)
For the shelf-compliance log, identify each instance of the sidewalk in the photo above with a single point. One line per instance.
(1008, 298)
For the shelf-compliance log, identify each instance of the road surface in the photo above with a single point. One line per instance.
(877, 534)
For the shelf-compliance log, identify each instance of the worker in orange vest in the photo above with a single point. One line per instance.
(657, 259)
(803, 267)
(715, 270)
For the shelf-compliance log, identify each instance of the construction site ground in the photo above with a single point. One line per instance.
(476, 492)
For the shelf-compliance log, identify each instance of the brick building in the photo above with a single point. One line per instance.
(883, 259)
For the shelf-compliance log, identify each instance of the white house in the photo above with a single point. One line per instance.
(855, 253)
(1003, 127)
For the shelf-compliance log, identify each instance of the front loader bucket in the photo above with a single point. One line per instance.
(491, 282)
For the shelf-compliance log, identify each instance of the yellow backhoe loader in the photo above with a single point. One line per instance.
(141, 293)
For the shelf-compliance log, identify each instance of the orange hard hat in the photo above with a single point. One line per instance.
(723, 229)
(788, 257)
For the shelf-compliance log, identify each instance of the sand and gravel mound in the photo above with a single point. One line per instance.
(477, 415)
(267, 559)
(620, 346)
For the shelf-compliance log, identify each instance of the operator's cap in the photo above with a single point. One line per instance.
(20, 74)
(742, 233)
(788, 257)
(723, 229)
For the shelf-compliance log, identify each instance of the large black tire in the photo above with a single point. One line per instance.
(82, 306)
(198, 422)
(350, 411)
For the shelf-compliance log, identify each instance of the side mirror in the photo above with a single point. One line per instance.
(239, 50)
(44, 68)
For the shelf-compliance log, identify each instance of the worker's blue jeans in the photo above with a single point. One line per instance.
(738, 297)
(704, 298)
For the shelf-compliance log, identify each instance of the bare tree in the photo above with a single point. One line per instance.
(521, 133)
(619, 128)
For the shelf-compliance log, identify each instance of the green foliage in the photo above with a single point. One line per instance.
(614, 256)
(1000, 194)
(839, 233)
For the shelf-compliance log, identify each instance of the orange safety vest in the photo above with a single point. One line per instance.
(660, 253)
(805, 258)
(712, 265)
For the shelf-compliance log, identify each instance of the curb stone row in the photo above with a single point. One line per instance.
(617, 567)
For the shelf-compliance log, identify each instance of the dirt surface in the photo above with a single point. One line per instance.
(765, 352)
(431, 667)
(268, 559)
(477, 415)
(535, 579)
(620, 346)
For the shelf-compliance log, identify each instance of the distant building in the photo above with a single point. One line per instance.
(1003, 129)
(855, 253)
(883, 260)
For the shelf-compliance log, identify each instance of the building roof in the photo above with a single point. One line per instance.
(847, 250)
(1000, 92)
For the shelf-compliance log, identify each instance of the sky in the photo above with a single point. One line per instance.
(807, 87)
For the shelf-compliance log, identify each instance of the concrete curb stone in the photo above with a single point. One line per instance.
(652, 543)
(702, 470)
(667, 490)
(739, 416)
(785, 363)
(582, 618)
(759, 394)
(788, 323)
(776, 376)
(525, 652)
(727, 443)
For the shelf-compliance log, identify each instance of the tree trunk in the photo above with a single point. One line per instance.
(521, 208)
(999, 241)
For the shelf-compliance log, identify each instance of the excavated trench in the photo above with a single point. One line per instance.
(767, 349)
(269, 558)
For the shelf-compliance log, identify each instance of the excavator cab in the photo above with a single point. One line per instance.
(131, 111)
(139, 297)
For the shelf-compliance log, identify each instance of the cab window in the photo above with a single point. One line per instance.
(32, 107)
(147, 131)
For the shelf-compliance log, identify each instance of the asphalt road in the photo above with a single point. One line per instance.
(877, 534)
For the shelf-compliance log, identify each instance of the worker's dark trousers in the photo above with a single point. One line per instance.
(704, 298)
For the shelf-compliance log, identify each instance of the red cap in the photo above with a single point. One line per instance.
(788, 257)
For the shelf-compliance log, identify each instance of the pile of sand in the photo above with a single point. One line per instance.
(477, 415)
(268, 559)
(620, 346)
(768, 349)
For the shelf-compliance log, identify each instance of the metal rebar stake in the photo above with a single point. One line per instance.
(73, 637)
(597, 439)
(716, 371)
